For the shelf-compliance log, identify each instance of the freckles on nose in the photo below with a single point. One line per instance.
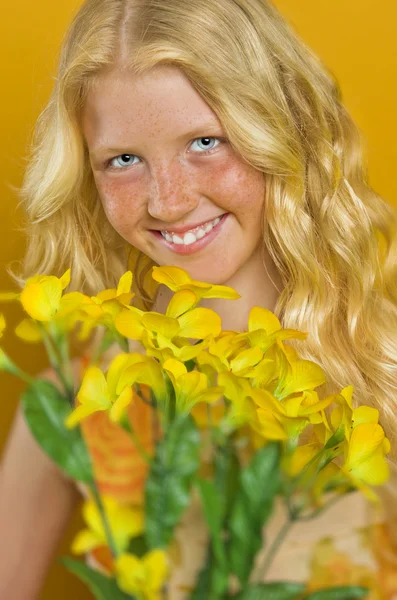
(170, 193)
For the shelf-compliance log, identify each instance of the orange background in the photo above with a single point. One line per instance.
(355, 38)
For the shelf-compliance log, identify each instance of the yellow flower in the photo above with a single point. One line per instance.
(167, 336)
(2, 324)
(143, 369)
(41, 296)
(242, 409)
(190, 388)
(178, 279)
(264, 328)
(366, 453)
(98, 392)
(296, 375)
(125, 522)
(104, 308)
(143, 577)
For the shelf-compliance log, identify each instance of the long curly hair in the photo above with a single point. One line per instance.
(332, 238)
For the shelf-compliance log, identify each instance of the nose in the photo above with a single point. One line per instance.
(172, 195)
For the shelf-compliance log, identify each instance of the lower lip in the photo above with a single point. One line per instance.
(197, 245)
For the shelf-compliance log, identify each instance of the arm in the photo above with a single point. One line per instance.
(36, 503)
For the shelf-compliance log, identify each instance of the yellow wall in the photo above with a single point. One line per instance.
(354, 39)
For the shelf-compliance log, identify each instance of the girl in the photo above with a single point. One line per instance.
(206, 135)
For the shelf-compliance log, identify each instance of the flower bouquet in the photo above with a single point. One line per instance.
(229, 411)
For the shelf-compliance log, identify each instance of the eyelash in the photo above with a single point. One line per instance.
(109, 166)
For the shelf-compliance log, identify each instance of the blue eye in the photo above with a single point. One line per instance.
(207, 142)
(125, 158)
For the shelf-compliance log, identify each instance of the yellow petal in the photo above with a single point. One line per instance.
(199, 323)
(246, 358)
(8, 296)
(117, 367)
(176, 367)
(181, 302)
(41, 301)
(130, 573)
(264, 399)
(2, 324)
(157, 567)
(305, 375)
(118, 408)
(172, 277)
(162, 324)
(94, 388)
(127, 522)
(125, 283)
(365, 440)
(221, 291)
(366, 458)
(347, 394)
(210, 395)
(188, 352)
(73, 301)
(85, 541)
(147, 371)
(268, 426)
(29, 331)
(364, 414)
(82, 411)
(105, 295)
(262, 318)
(129, 323)
(65, 279)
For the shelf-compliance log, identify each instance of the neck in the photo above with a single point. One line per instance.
(256, 285)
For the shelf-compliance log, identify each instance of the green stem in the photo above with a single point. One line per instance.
(127, 426)
(104, 518)
(55, 363)
(275, 546)
(321, 509)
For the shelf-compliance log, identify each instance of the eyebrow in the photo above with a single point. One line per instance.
(191, 133)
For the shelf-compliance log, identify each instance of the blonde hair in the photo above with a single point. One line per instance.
(332, 238)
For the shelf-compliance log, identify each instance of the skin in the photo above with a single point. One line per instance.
(174, 178)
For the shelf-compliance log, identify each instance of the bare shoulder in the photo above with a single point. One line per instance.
(36, 503)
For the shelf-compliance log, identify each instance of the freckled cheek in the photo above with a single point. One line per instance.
(123, 204)
(239, 188)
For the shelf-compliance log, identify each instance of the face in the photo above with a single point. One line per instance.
(163, 167)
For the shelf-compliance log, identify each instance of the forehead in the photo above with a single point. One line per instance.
(161, 101)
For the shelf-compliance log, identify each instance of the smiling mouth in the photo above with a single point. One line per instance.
(192, 235)
(192, 240)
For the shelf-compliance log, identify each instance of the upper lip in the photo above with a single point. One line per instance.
(188, 227)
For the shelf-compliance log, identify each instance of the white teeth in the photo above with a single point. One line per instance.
(177, 240)
(200, 233)
(190, 237)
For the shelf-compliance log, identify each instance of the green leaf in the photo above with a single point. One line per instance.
(213, 505)
(336, 438)
(212, 581)
(45, 410)
(167, 492)
(272, 591)
(259, 483)
(103, 587)
(348, 592)
(213, 512)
